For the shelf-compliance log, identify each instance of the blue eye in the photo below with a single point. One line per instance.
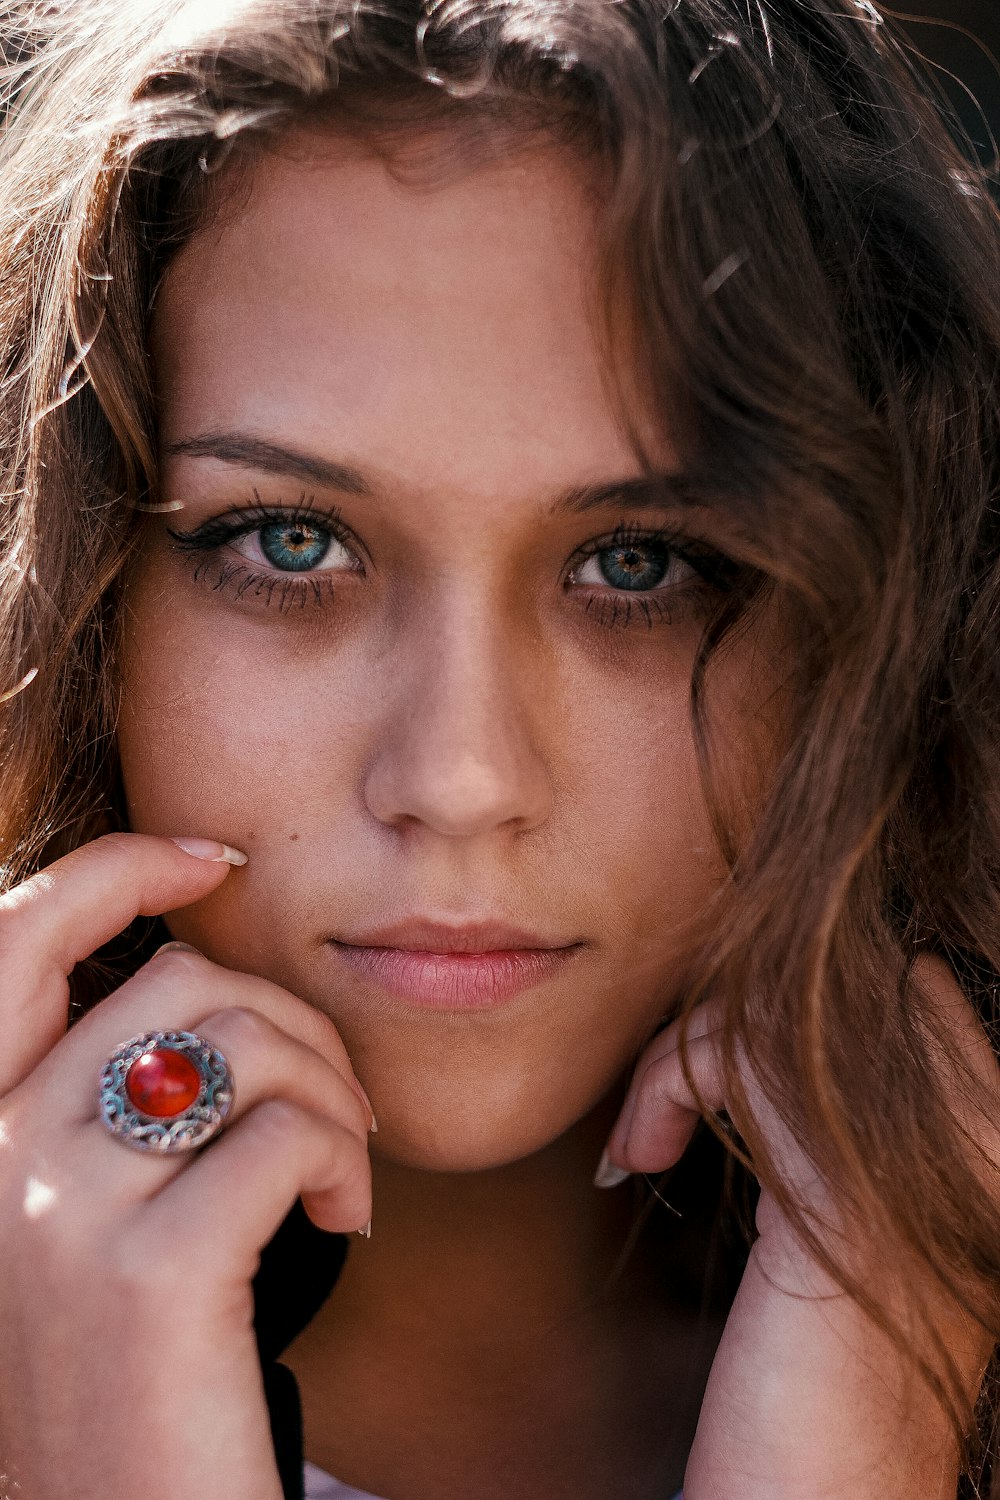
(633, 565)
(277, 541)
(294, 546)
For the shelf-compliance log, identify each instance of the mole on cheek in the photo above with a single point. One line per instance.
(293, 837)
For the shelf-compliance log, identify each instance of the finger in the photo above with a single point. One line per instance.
(661, 1109)
(266, 1063)
(270, 1063)
(231, 1200)
(175, 991)
(705, 1020)
(58, 917)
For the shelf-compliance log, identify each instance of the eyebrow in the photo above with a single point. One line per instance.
(243, 450)
(248, 452)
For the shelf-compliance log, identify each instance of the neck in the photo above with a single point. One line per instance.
(527, 1241)
(496, 1324)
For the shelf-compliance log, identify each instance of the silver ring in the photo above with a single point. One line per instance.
(194, 1096)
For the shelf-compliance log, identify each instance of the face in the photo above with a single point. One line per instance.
(419, 638)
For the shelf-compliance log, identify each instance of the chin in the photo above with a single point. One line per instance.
(455, 1101)
(459, 1140)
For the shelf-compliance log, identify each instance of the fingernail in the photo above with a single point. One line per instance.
(366, 1233)
(608, 1175)
(373, 1127)
(208, 849)
(177, 948)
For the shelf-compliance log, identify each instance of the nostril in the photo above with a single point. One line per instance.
(459, 797)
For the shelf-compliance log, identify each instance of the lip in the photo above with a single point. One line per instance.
(441, 966)
(421, 934)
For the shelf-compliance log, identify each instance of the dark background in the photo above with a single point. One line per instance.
(934, 29)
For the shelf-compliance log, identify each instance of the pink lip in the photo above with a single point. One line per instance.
(441, 967)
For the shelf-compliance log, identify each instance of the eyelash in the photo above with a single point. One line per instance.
(283, 590)
(611, 608)
(714, 574)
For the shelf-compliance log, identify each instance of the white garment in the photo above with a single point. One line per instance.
(320, 1486)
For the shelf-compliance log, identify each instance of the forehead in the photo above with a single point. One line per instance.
(334, 303)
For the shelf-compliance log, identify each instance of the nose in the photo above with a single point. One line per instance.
(457, 752)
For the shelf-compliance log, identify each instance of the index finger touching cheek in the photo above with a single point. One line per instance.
(58, 917)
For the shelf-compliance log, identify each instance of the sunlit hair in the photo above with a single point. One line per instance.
(801, 273)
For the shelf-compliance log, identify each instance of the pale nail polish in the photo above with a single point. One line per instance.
(366, 1233)
(608, 1175)
(210, 850)
(373, 1127)
(173, 947)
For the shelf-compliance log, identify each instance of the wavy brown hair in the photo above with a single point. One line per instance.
(807, 267)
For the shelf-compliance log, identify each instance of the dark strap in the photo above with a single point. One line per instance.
(286, 1427)
(298, 1271)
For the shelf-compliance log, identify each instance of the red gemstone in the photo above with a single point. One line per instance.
(162, 1083)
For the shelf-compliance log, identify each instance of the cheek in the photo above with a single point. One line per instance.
(220, 733)
(637, 795)
(649, 838)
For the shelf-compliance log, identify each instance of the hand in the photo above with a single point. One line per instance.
(128, 1365)
(807, 1399)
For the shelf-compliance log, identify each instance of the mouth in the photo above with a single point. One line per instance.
(442, 966)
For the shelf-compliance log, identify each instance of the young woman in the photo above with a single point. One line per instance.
(502, 564)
